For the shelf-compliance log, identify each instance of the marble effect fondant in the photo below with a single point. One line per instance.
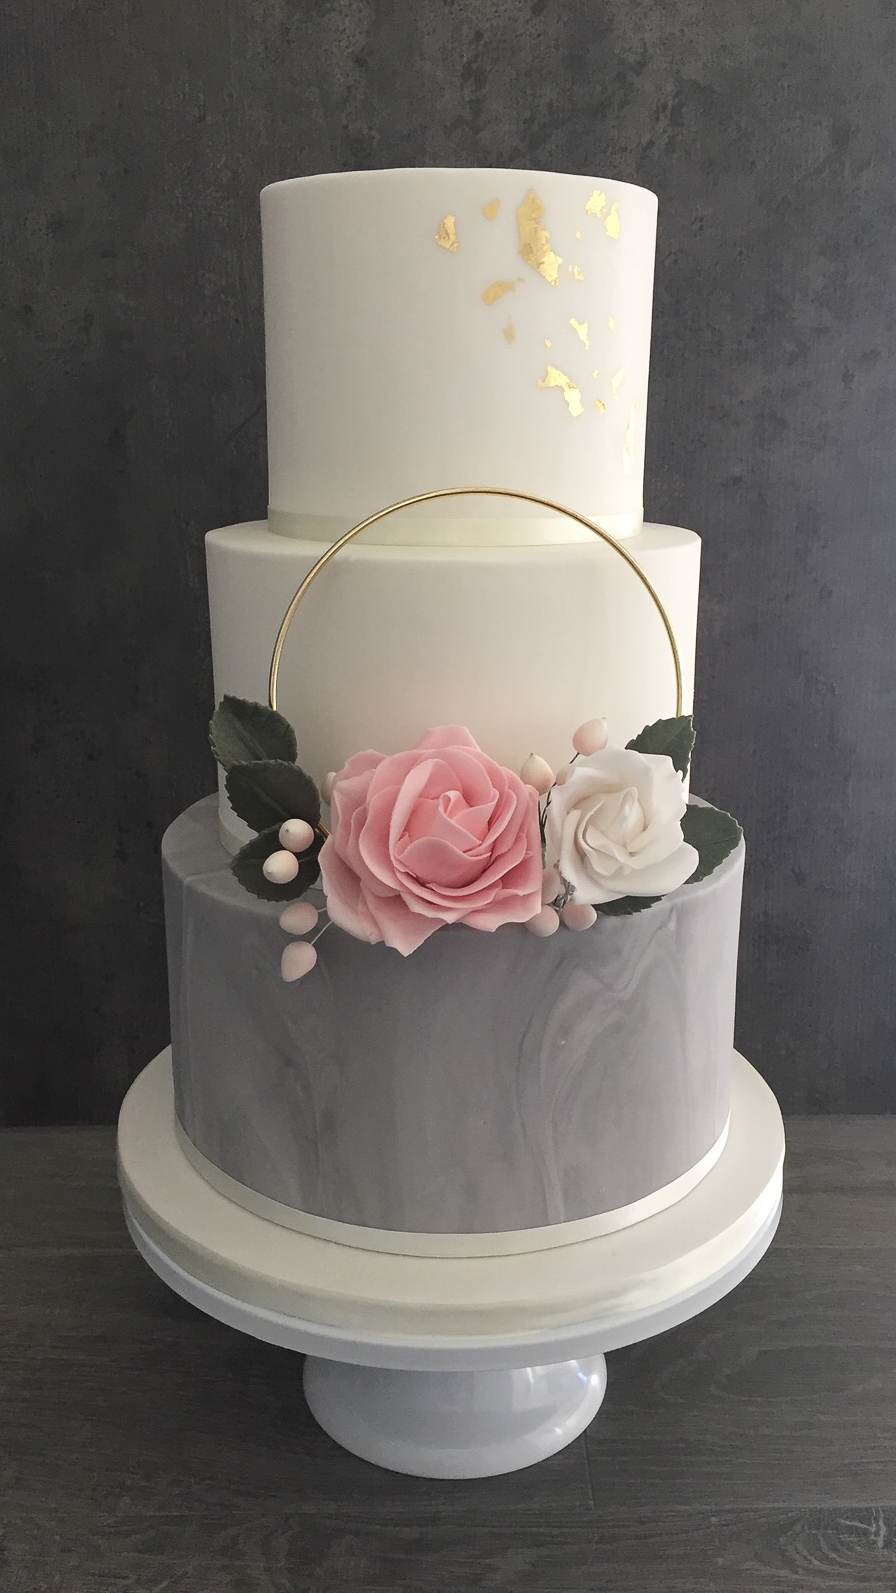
(487, 1083)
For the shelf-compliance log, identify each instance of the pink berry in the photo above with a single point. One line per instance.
(280, 867)
(544, 923)
(298, 918)
(537, 773)
(590, 737)
(326, 785)
(298, 960)
(551, 885)
(296, 835)
(578, 915)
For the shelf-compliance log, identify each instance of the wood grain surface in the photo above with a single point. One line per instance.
(146, 1447)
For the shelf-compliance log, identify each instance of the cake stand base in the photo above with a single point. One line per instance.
(444, 1367)
(455, 1424)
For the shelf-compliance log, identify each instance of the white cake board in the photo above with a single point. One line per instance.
(448, 1367)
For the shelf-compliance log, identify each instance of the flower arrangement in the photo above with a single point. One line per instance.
(442, 834)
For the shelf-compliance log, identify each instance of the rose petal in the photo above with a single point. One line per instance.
(664, 876)
(400, 927)
(657, 842)
(360, 763)
(495, 878)
(450, 821)
(440, 864)
(345, 900)
(372, 849)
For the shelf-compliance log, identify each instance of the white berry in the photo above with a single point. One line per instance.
(296, 835)
(298, 960)
(578, 915)
(326, 785)
(591, 737)
(544, 923)
(298, 918)
(280, 867)
(537, 773)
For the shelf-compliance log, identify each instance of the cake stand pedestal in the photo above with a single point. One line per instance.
(444, 1367)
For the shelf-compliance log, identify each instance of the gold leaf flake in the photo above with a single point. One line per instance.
(611, 323)
(491, 209)
(611, 222)
(548, 343)
(535, 244)
(628, 450)
(581, 330)
(617, 380)
(446, 237)
(578, 237)
(497, 291)
(596, 202)
(571, 394)
(595, 373)
(577, 273)
(600, 406)
(510, 332)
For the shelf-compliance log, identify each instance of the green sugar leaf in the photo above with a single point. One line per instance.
(268, 790)
(713, 833)
(624, 906)
(244, 732)
(247, 866)
(674, 737)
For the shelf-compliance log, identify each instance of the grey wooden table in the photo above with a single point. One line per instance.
(144, 1447)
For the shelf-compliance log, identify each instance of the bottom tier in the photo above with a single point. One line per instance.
(489, 1094)
(437, 1313)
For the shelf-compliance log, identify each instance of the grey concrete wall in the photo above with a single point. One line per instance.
(135, 140)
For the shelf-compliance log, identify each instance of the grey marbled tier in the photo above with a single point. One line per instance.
(489, 1082)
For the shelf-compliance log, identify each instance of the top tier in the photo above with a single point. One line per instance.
(447, 328)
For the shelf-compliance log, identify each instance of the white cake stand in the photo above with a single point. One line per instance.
(436, 1366)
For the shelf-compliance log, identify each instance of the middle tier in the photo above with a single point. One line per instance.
(519, 644)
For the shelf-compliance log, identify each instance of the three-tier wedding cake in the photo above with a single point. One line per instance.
(452, 954)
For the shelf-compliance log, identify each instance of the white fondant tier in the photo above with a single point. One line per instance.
(446, 328)
(490, 1093)
(520, 644)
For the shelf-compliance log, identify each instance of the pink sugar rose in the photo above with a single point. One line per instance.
(438, 835)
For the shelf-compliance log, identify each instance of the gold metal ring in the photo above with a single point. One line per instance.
(469, 492)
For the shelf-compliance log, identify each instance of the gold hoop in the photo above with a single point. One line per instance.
(468, 492)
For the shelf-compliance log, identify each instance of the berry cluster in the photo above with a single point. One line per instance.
(557, 907)
(299, 918)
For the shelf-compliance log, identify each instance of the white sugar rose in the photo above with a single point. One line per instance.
(614, 827)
